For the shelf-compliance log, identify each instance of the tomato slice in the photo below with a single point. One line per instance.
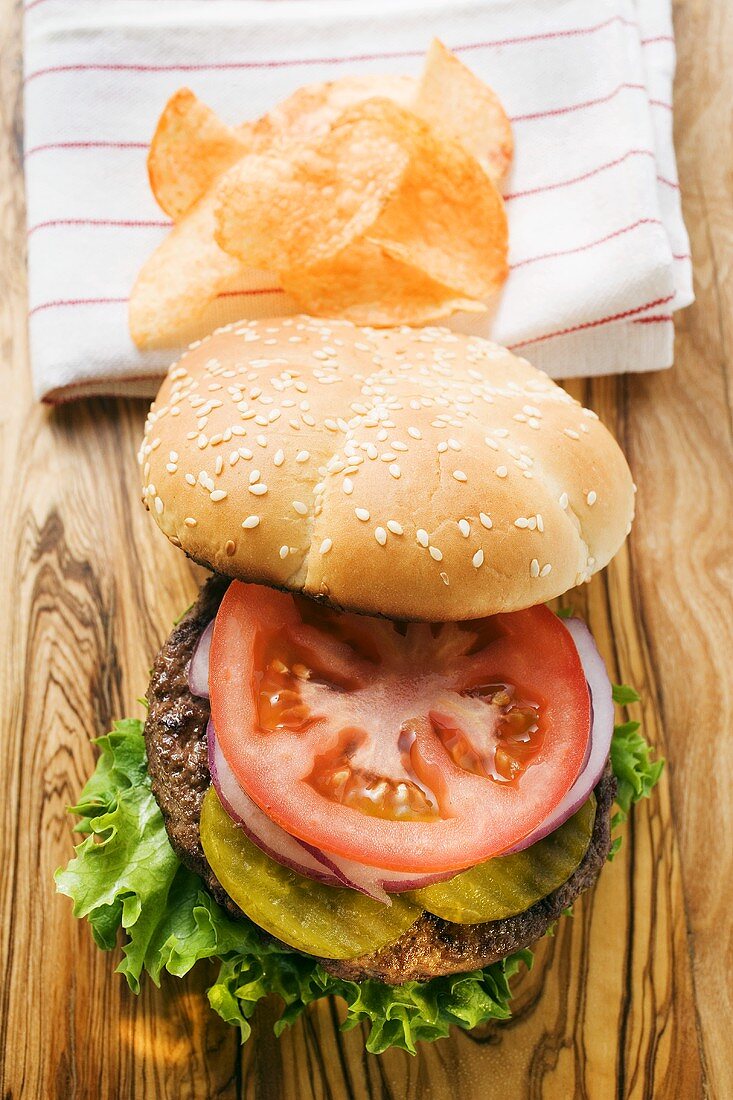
(412, 746)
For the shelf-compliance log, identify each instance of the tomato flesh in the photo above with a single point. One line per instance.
(416, 747)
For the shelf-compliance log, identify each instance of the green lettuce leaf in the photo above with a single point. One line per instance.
(125, 875)
(623, 694)
(636, 773)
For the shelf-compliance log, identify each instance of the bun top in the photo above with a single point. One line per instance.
(412, 473)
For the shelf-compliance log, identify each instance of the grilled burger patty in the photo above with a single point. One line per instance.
(175, 737)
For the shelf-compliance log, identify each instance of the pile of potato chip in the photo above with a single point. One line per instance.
(373, 198)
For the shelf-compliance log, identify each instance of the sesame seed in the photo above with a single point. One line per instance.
(218, 495)
(572, 434)
(380, 535)
(521, 522)
(444, 578)
(414, 432)
(284, 551)
(395, 527)
(278, 458)
(491, 443)
(395, 470)
(534, 568)
(190, 479)
(501, 471)
(190, 521)
(362, 514)
(219, 464)
(397, 445)
(442, 447)
(254, 476)
(258, 490)
(540, 523)
(326, 546)
(464, 527)
(422, 537)
(454, 444)
(563, 501)
(348, 486)
(250, 522)
(592, 497)
(478, 559)
(302, 456)
(459, 475)
(230, 547)
(159, 506)
(545, 570)
(300, 507)
(435, 553)
(485, 520)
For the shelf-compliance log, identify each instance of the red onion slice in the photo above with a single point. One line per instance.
(198, 666)
(375, 882)
(271, 838)
(601, 732)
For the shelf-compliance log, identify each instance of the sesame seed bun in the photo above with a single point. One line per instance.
(412, 473)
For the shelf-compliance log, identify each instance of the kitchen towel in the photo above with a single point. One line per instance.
(598, 249)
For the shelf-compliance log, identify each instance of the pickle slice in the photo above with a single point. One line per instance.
(320, 920)
(507, 885)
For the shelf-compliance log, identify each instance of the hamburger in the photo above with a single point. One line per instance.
(374, 762)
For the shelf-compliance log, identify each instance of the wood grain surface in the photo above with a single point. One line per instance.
(633, 997)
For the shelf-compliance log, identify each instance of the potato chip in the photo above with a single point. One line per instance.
(453, 100)
(182, 277)
(190, 149)
(447, 217)
(299, 205)
(380, 173)
(364, 285)
(309, 112)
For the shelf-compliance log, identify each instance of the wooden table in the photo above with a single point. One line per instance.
(633, 996)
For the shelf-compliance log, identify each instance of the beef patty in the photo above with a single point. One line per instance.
(175, 737)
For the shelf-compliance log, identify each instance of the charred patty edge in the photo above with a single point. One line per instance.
(176, 744)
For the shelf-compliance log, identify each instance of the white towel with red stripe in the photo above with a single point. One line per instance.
(599, 253)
